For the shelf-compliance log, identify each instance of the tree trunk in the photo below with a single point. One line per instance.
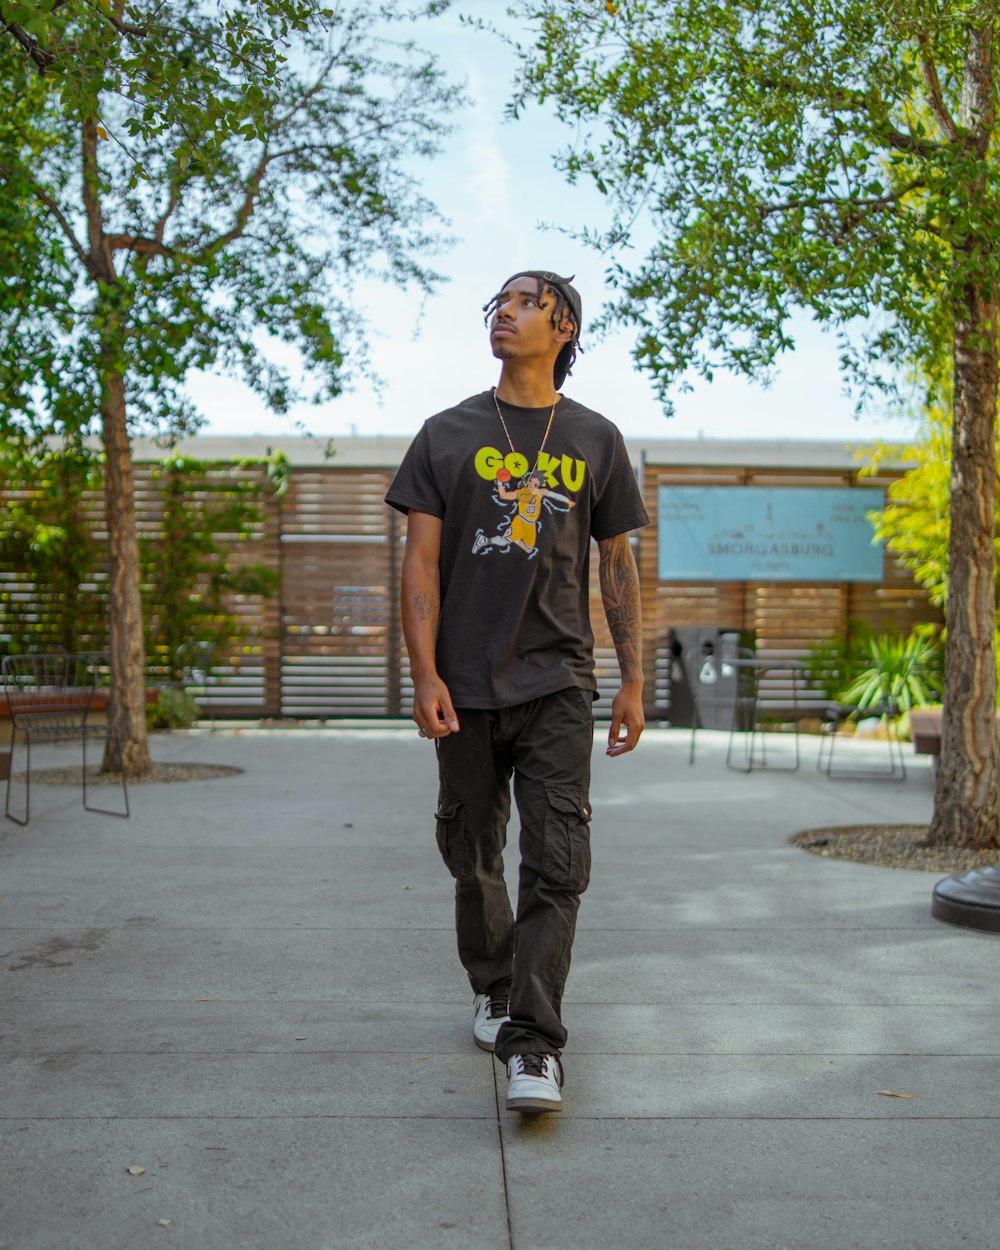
(127, 703)
(966, 797)
(127, 707)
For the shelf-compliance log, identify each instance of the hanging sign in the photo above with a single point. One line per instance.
(768, 534)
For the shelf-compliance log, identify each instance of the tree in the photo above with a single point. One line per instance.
(183, 186)
(915, 523)
(832, 155)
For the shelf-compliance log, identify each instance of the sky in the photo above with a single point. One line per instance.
(509, 208)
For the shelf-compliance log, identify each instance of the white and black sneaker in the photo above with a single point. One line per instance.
(533, 1083)
(490, 1014)
(480, 542)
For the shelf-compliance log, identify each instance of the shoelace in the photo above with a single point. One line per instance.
(498, 1007)
(533, 1064)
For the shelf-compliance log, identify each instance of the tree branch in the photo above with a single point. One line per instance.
(161, 225)
(44, 58)
(52, 206)
(841, 100)
(141, 244)
(101, 262)
(41, 56)
(310, 92)
(838, 201)
(935, 94)
(116, 19)
(245, 211)
(902, 142)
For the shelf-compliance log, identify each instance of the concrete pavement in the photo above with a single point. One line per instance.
(250, 991)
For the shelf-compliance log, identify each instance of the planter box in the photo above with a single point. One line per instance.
(925, 727)
(98, 704)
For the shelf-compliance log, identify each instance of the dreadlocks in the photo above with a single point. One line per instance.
(567, 306)
(562, 311)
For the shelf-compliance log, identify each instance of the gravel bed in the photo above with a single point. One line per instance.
(892, 846)
(72, 775)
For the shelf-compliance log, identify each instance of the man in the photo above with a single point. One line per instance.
(501, 656)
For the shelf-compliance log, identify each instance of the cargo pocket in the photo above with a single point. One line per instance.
(450, 830)
(566, 834)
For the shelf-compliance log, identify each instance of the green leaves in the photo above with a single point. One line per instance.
(778, 154)
(46, 542)
(896, 671)
(51, 514)
(210, 515)
(252, 166)
(915, 524)
(866, 670)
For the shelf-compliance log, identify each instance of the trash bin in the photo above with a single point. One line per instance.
(702, 685)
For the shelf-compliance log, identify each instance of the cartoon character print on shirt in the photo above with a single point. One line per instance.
(526, 504)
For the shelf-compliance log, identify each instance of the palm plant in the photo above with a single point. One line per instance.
(896, 671)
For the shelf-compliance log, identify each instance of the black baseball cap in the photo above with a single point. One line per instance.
(567, 355)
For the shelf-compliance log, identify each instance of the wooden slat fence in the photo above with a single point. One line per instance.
(330, 644)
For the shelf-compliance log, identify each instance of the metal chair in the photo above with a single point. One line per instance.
(767, 691)
(750, 695)
(50, 698)
(727, 695)
(836, 716)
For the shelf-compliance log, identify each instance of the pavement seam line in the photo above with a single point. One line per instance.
(503, 1155)
(389, 1117)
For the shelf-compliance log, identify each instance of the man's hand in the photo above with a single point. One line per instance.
(432, 708)
(626, 711)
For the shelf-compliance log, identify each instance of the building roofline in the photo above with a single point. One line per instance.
(386, 452)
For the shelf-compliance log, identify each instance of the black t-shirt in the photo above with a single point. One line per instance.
(515, 550)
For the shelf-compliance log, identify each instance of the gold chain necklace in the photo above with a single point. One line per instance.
(545, 436)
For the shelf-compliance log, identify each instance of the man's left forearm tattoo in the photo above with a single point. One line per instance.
(620, 595)
(426, 606)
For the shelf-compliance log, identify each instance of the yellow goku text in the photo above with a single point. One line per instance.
(489, 459)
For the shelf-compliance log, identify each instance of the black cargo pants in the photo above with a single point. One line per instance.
(546, 745)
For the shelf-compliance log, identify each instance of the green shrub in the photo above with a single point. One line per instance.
(831, 665)
(173, 709)
(897, 670)
(865, 669)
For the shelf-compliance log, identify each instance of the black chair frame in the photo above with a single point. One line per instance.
(745, 669)
(837, 715)
(50, 698)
